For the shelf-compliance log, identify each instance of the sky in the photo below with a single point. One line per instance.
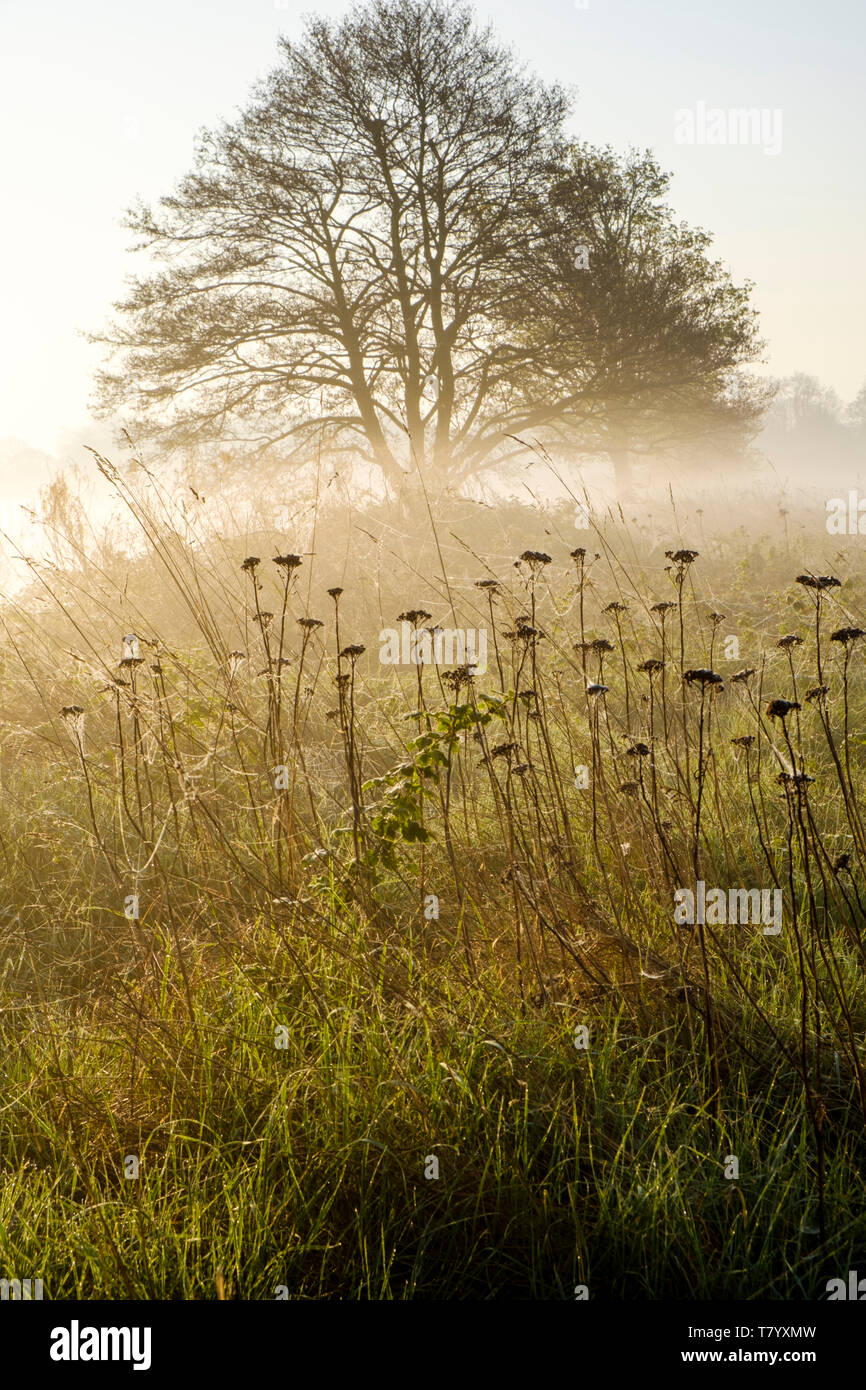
(100, 103)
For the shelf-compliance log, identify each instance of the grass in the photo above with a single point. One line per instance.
(279, 997)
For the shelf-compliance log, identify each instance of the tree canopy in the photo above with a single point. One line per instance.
(380, 253)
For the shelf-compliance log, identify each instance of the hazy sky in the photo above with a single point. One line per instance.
(99, 103)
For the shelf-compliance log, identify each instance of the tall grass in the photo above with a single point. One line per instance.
(284, 924)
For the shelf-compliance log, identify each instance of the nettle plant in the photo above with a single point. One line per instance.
(399, 814)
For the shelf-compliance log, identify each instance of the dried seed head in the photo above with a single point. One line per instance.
(744, 740)
(847, 634)
(536, 559)
(413, 616)
(794, 779)
(820, 582)
(523, 632)
(288, 562)
(702, 675)
(743, 675)
(251, 564)
(791, 640)
(460, 676)
(651, 665)
(780, 709)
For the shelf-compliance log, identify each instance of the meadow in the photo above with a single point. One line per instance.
(330, 977)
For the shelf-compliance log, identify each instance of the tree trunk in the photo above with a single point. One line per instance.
(621, 460)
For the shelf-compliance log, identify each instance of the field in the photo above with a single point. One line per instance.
(332, 976)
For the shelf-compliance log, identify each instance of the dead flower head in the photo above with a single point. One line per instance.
(819, 582)
(535, 559)
(780, 709)
(702, 676)
(682, 558)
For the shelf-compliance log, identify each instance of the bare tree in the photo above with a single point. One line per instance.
(341, 261)
(647, 331)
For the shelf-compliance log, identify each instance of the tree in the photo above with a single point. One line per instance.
(855, 412)
(629, 311)
(808, 423)
(379, 253)
(340, 262)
